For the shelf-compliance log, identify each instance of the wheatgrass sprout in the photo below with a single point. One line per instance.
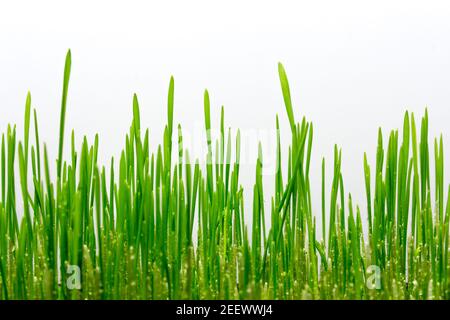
(93, 232)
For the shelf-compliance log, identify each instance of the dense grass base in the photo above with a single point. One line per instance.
(93, 233)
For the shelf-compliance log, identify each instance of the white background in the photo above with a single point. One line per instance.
(352, 65)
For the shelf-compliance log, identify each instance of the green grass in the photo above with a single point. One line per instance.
(131, 231)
